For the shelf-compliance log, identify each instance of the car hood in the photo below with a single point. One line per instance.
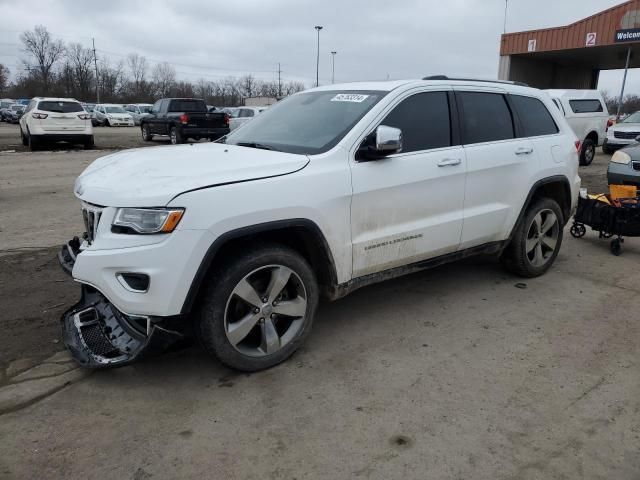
(625, 127)
(153, 176)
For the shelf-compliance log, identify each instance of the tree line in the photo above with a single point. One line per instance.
(55, 68)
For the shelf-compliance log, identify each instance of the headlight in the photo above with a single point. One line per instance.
(621, 157)
(148, 220)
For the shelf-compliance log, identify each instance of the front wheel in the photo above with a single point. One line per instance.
(536, 241)
(146, 133)
(258, 308)
(588, 152)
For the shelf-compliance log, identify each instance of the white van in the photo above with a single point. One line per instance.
(587, 115)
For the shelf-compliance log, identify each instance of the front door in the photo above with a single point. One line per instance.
(408, 206)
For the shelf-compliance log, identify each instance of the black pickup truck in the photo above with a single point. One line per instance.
(182, 118)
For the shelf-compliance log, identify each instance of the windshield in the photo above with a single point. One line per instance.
(633, 118)
(307, 123)
(15, 108)
(60, 107)
(114, 110)
(144, 108)
(187, 105)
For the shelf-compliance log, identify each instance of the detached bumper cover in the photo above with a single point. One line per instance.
(98, 335)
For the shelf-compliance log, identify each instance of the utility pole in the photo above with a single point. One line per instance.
(506, 5)
(624, 81)
(95, 64)
(333, 67)
(279, 82)
(318, 28)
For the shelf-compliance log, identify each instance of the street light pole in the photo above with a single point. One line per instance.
(318, 28)
(333, 67)
(624, 81)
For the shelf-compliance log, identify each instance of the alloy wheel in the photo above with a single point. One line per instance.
(173, 136)
(589, 154)
(542, 237)
(265, 311)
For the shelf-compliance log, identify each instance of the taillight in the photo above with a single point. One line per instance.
(39, 116)
(610, 123)
(84, 116)
(184, 118)
(578, 146)
(226, 119)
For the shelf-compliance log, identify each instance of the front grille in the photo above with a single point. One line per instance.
(91, 215)
(626, 135)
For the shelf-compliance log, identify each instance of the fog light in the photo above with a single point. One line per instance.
(134, 282)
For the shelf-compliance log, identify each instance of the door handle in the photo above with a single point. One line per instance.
(524, 151)
(448, 162)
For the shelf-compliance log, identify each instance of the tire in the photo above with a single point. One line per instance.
(25, 142)
(34, 143)
(522, 256)
(106, 123)
(587, 152)
(221, 308)
(146, 134)
(175, 137)
(89, 143)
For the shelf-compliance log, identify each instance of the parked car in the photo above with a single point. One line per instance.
(244, 115)
(5, 107)
(138, 110)
(111, 115)
(330, 190)
(183, 118)
(624, 166)
(587, 114)
(14, 113)
(50, 120)
(622, 134)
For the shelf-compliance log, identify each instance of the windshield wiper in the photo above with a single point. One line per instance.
(261, 146)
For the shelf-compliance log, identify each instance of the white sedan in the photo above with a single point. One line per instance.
(110, 115)
(242, 115)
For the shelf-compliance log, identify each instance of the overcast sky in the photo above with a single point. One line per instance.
(375, 39)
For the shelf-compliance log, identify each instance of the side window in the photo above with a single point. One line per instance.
(486, 117)
(424, 121)
(559, 105)
(586, 106)
(156, 107)
(534, 116)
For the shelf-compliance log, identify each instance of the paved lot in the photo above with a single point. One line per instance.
(451, 373)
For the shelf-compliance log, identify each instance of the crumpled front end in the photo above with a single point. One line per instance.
(98, 335)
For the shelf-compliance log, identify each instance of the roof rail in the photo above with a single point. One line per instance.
(444, 77)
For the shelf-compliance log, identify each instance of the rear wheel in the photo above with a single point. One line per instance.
(146, 133)
(588, 152)
(174, 136)
(536, 240)
(89, 143)
(34, 143)
(258, 308)
(23, 137)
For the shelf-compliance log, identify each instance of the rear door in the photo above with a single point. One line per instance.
(499, 165)
(62, 116)
(408, 206)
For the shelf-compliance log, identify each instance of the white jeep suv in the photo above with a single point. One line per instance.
(328, 191)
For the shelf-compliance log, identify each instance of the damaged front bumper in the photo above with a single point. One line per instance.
(98, 335)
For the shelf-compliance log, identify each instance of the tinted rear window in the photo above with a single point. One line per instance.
(486, 117)
(187, 106)
(424, 121)
(534, 116)
(60, 107)
(586, 106)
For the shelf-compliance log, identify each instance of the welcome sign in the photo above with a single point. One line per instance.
(627, 35)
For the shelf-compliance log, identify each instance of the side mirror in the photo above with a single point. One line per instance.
(380, 143)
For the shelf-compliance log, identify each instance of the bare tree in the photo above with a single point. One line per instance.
(80, 60)
(164, 78)
(44, 50)
(138, 68)
(248, 86)
(4, 78)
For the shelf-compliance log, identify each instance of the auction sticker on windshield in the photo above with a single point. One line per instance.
(349, 97)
